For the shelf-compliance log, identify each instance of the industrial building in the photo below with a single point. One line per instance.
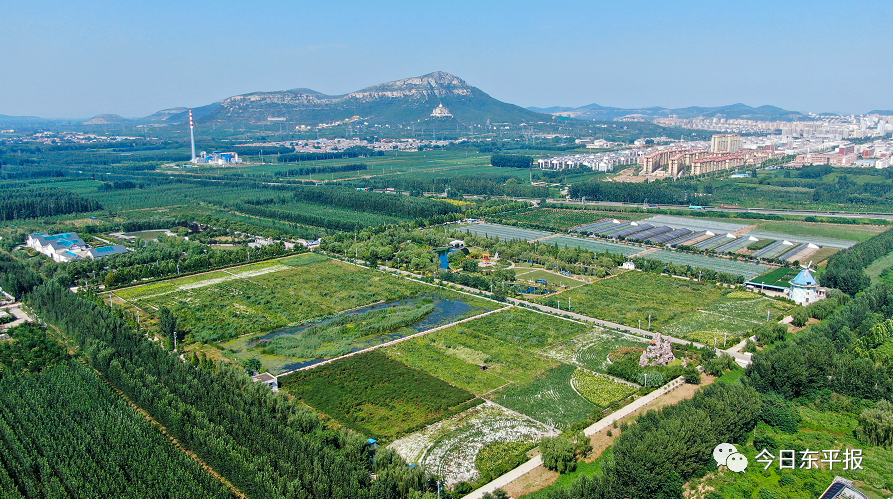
(68, 247)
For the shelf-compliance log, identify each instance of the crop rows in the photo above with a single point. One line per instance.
(600, 389)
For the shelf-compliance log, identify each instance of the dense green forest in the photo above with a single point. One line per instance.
(64, 433)
(846, 270)
(267, 446)
(42, 202)
(511, 161)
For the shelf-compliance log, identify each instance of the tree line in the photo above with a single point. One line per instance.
(294, 172)
(511, 161)
(43, 202)
(264, 444)
(846, 269)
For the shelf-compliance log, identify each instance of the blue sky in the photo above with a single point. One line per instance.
(78, 59)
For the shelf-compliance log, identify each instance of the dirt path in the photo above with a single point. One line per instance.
(540, 477)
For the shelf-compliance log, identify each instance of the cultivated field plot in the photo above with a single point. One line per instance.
(487, 353)
(376, 395)
(844, 232)
(729, 319)
(449, 448)
(632, 296)
(600, 389)
(561, 220)
(593, 245)
(224, 304)
(746, 270)
(590, 349)
(777, 277)
(549, 398)
(503, 232)
(552, 279)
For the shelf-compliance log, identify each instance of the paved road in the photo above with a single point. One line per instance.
(508, 478)
(21, 317)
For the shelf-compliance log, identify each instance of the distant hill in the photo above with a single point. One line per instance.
(400, 102)
(882, 113)
(735, 111)
(106, 119)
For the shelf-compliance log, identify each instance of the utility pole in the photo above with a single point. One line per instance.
(649, 322)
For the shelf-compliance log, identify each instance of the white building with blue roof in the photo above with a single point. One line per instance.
(805, 289)
(68, 247)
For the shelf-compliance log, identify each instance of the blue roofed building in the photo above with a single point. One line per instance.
(68, 247)
(805, 288)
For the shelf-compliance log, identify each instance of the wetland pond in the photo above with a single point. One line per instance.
(327, 337)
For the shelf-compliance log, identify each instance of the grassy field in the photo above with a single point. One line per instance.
(549, 398)
(497, 340)
(777, 277)
(633, 296)
(561, 220)
(836, 231)
(376, 395)
(551, 278)
(220, 305)
(879, 266)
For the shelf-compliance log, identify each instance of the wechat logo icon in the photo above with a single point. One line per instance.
(727, 455)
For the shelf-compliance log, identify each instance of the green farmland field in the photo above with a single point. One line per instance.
(633, 296)
(549, 398)
(376, 395)
(497, 341)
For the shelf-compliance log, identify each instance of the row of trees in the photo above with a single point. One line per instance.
(846, 269)
(839, 354)
(294, 172)
(265, 445)
(64, 433)
(511, 161)
(668, 447)
(43, 202)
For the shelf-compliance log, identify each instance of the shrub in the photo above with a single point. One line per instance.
(779, 413)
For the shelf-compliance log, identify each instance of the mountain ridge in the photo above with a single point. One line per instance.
(399, 102)
(733, 111)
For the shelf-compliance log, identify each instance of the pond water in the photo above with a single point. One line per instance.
(446, 311)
